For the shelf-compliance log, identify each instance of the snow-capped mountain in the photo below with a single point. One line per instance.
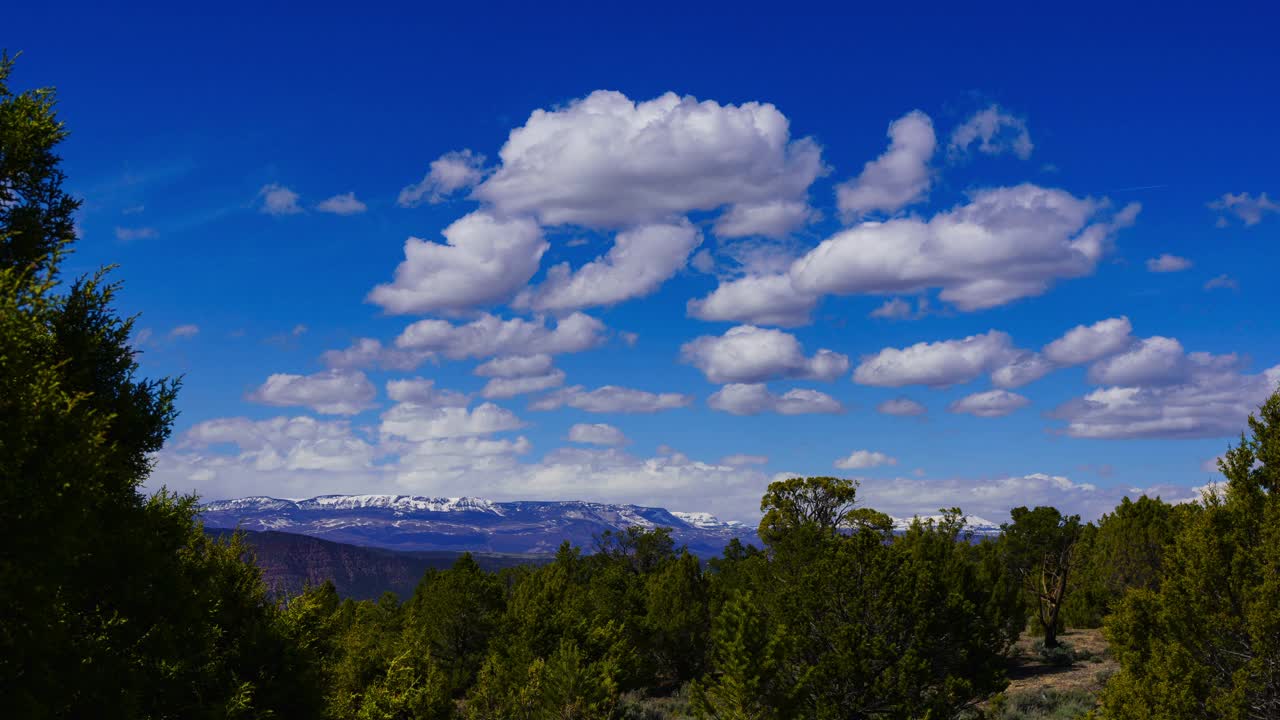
(980, 527)
(405, 522)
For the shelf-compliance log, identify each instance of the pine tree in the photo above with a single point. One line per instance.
(746, 683)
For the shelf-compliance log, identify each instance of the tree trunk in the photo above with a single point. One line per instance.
(1051, 631)
(1055, 606)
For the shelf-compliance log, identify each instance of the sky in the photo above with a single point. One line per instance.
(665, 255)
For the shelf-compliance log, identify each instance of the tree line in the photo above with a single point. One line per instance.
(115, 604)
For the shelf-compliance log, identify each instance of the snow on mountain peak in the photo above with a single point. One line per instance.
(400, 503)
(394, 503)
(704, 520)
(980, 526)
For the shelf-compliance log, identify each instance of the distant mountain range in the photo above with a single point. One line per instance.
(368, 544)
(403, 522)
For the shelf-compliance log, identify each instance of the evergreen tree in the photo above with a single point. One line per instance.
(1125, 550)
(676, 620)
(864, 625)
(1040, 547)
(747, 683)
(36, 214)
(116, 604)
(453, 614)
(1206, 642)
(412, 689)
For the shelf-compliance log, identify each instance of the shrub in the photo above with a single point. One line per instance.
(1047, 704)
(1059, 656)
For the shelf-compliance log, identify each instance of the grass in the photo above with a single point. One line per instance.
(635, 706)
(1045, 704)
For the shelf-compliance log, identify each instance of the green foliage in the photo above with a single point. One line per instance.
(116, 605)
(412, 689)
(748, 683)
(1060, 655)
(677, 617)
(1046, 704)
(572, 682)
(1039, 547)
(844, 620)
(36, 215)
(453, 614)
(798, 508)
(1125, 550)
(1206, 642)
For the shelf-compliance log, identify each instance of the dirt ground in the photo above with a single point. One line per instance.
(1089, 672)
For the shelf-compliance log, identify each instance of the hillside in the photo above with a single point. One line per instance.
(291, 562)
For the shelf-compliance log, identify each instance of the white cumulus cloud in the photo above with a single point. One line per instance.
(1086, 343)
(1169, 394)
(897, 178)
(278, 200)
(447, 174)
(905, 407)
(505, 387)
(515, 366)
(284, 444)
(606, 161)
(332, 392)
(1003, 245)
(748, 354)
(989, 404)
(1024, 368)
(640, 261)
(421, 391)
(937, 364)
(1167, 263)
(995, 131)
(369, 352)
(1153, 361)
(611, 399)
(1249, 209)
(597, 434)
(859, 459)
(489, 335)
(758, 300)
(417, 422)
(755, 398)
(344, 204)
(484, 261)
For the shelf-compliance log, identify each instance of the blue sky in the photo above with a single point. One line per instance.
(715, 208)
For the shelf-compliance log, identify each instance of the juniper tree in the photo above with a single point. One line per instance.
(1206, 642)
(116, 604)
(1040, 547)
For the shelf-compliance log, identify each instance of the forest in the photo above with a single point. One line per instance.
(116, 604)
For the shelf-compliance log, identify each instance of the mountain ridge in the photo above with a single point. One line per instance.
(458, 524)
(410, 522)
